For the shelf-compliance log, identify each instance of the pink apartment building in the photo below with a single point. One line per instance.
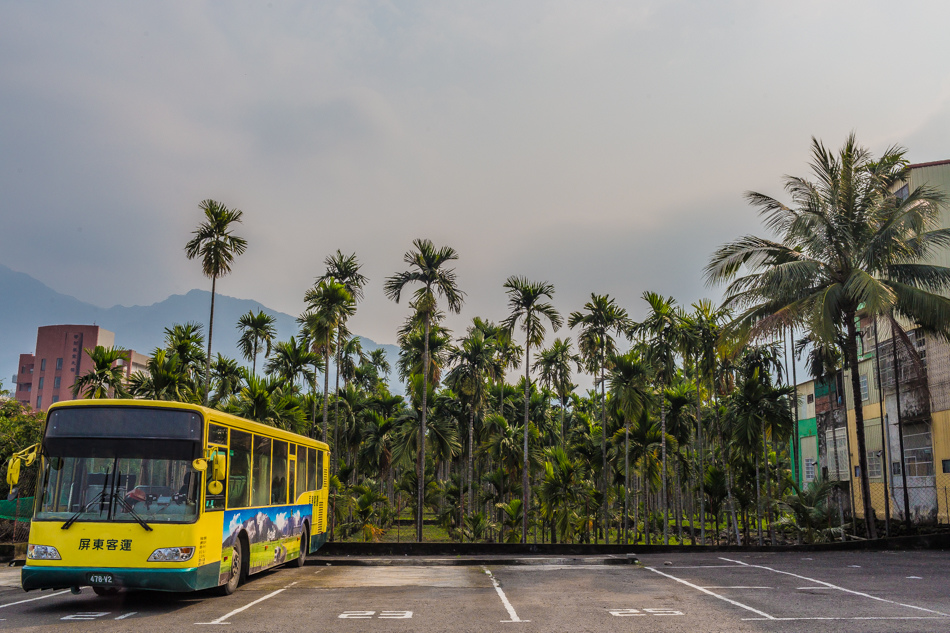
(47, 375)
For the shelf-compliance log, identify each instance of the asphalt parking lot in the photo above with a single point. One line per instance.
(846, 591)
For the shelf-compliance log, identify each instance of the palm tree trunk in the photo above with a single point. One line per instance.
(626, 479)
(900, 426)
(471, 455)
(421, 450)
(663, 501)
(336, 392)
(758, 502)
(852, 350)
(254, 360)
(326, 390)
(702, 452)
(524, 477)
(204, 397)
(603, 434)
(885, 445)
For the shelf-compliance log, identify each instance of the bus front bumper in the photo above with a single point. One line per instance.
(188, 579)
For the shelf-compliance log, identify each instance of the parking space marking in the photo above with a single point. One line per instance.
(222, 619)
(828, 584)
(49, 595)
(715, 587)
(866, 617)
(764, 615)
(504, 599)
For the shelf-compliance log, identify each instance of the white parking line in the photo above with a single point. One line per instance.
(868, 617)
(764, 615)
(715, 587)
(222, 619)
(49, 595)
(504, 599)
(828, 584)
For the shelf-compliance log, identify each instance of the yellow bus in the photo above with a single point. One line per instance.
(169, 496)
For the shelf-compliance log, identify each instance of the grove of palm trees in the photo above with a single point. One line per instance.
(688, 434)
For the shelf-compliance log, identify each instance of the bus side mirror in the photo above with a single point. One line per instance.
(215, 488)
(200, 465)
(13, 471)
(220, 467)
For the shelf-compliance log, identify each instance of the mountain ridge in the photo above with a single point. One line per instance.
(29, 303)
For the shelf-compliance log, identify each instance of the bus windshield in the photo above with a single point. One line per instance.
(92, 473)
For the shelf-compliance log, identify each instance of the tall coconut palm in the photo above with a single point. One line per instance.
(600, 317)
(186, 341)
(106, 378)
(661, 331)
(343, 269)
(427, 266)
(847, 240)
(329, 304)
(554, 365)
(217, 247)
(227, 377)
(526, 304)
(630, 391)
(474, 362)
(256, 330)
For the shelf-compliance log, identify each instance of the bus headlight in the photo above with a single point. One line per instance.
(42, 552)
(171, 554)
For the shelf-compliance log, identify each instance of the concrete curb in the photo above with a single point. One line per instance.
(471, 561)
(388, 550)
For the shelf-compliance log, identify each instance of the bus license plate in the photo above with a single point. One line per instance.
(100, 579)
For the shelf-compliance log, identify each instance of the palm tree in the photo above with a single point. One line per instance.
(600, 317)
(292, 361)
(474, 362)
(661, 329)
(526, 304)
(186, 341)
(165, 378)
(228, 377)
(345, 270)
(256, 330)
(631, 394)
(217, 247)
(847, 241)
(106, 378)
(329, 304)
(427, 267)
(380, 363)
(554, 363)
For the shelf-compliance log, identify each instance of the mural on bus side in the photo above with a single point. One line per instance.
(273, 534)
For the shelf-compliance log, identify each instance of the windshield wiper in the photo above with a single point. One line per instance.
(128, 507)
(82, 511)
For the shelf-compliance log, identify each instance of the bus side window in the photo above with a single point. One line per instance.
(320, 473)
(311, 469)
(240, 469)
(260, 476)
(214, 502)
(292, 481)
(301, 471)
(278, 486)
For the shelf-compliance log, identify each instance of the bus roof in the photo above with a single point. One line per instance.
(209, 414)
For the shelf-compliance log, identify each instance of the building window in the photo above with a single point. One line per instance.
(810, 469)
(29, 387)
(875, 465)
(811, 398)
(39, 402)
(43, 365)
(56, 382)
(41, 382)
(946, 466)
(918, 451)
(864, 388)
(54, 400)
(59, 364)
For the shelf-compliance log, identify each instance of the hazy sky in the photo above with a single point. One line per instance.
(602, 146)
